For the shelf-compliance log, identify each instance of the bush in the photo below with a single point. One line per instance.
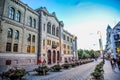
(66, 66)
(57, 67)
(14, 73)
(42, 70)
(97, 74)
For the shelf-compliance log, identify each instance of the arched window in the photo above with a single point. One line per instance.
(29, 21)
(16, 35)
(49, 28)
(10, 33)
(11, 13)
(53, 30)
(34, 23)
(29, 37)
(57, 32)
(18, 15)
(33, 38)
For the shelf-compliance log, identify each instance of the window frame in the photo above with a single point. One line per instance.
(11, 13)
(18, 16)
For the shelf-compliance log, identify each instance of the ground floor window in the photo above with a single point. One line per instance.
(15, 48)
(28, 48)
(8, 62)
(33, 49)
(8, 47)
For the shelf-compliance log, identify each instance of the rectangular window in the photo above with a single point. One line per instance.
(43, 43)
(28, 48)
(64, 46)
(47, 42)
(8, 62)
(71, 40)
(64, 52)
(44, 27)
(8, 47)
(67, 38)
(53, 42)
(68, 47)
(15, 48)
(64, 37)
(33, 49)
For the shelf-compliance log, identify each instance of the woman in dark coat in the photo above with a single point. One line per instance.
(118, 62)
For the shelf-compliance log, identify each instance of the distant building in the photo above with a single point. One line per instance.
(108, 48)
(69, 47)
(18, 33)
(115, 39)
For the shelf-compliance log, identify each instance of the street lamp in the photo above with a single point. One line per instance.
(100, 43)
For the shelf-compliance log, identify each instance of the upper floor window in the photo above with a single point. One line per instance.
(67, 38)
(29, 37)
(71, 40)
(44, 27)
(34, 23)
(33, 38)
(64, 37)
(57, 32)
(29, 21)
(49, 28)
(53, 30)
(10, 33)
(18, 15)
(16, 34)
(11, 13)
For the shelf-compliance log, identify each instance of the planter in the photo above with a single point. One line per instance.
(57, 68)
(14, 74)
(66, 66)
(42, 70)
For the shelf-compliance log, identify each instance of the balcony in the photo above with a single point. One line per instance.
(54, 46)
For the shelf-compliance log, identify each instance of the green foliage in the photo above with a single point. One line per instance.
(57, 67)
(14, 73)
(97, 74)
(84, 54)
(42, 70)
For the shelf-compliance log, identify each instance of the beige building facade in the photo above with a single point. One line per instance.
(27, 35)
(53, 47)
(18, 33)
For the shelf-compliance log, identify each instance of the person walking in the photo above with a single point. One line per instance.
(118, 62)
(113, 63)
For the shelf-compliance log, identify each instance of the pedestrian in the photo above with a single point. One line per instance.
(118, 62)
(113, 63)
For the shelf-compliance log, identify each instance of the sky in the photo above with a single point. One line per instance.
(83, 18)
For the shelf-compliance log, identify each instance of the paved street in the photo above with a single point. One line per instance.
(81, 72)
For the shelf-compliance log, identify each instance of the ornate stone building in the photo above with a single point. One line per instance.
(51, 39)
(69, 47)
(18, 33)
(27, 35)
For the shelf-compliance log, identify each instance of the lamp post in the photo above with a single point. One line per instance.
(100, 44)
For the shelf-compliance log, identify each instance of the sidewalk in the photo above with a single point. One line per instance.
(109, 73)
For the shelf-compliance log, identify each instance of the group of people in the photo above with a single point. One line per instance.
(115, 62)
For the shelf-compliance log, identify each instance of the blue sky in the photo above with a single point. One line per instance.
(83, 18)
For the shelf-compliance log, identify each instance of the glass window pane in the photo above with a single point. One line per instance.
(8, 47)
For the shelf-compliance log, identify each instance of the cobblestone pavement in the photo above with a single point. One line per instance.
(81, 72)
(109, 73)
